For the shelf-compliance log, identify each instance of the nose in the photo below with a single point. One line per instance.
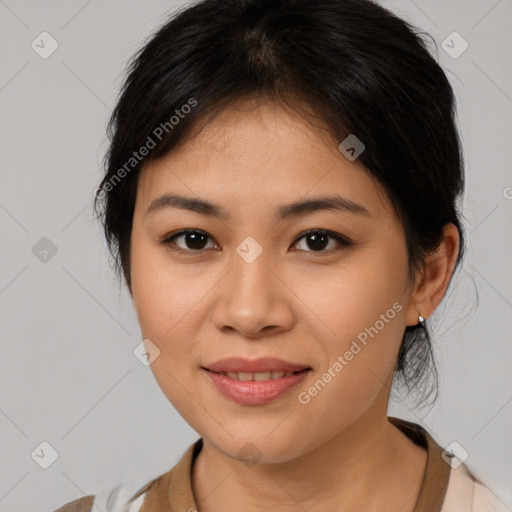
(253, 300)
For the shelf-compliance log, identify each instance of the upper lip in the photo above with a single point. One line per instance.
(262, 364)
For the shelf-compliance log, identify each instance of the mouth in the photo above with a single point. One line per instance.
(259, 376)
(256, 382)
(251, 392)
(263, 368)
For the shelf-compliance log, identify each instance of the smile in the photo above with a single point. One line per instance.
(259, 376)
(257, 388)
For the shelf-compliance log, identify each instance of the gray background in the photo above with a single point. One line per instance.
(69, 376)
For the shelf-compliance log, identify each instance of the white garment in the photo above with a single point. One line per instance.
(116, 499)
(463, 494)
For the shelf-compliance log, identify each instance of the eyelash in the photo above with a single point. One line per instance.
(168, 241)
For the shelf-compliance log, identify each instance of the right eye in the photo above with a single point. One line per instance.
(191, 240)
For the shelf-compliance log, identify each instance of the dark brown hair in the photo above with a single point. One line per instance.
(351, 64)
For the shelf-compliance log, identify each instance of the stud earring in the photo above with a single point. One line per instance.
(421, 321)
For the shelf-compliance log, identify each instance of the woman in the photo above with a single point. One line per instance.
(282, 198)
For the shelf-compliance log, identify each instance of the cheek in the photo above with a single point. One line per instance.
(364, 291)
(162, 295)
(359, 318)
(164, 300)
(170, 305)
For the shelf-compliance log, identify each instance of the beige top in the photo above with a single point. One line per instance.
(444, 488)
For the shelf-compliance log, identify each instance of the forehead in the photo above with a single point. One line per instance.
(262, 153)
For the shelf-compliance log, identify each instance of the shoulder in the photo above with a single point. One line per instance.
(486, 500)
(83, 504)
(116, 499)
(468, 492)
(126, 497)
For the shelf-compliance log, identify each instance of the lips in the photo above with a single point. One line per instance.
(257, 381)
(258, 376)
(255, 392)
(261, 365)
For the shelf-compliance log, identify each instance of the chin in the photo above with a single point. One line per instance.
(258, 448)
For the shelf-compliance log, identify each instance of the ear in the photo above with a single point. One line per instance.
(433, 280)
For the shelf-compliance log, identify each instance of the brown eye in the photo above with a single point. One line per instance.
(188, 240)
(318, 241)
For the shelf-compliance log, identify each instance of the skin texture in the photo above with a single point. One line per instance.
(337, 451)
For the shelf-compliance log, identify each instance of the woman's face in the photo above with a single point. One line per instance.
(252, 284)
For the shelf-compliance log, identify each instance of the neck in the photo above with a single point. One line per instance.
(370, 462)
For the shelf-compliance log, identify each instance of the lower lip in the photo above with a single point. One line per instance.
(253, 392)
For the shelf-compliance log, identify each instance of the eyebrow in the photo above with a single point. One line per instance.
(294, 209)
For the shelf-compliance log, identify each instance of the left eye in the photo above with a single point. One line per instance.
(318, 240)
